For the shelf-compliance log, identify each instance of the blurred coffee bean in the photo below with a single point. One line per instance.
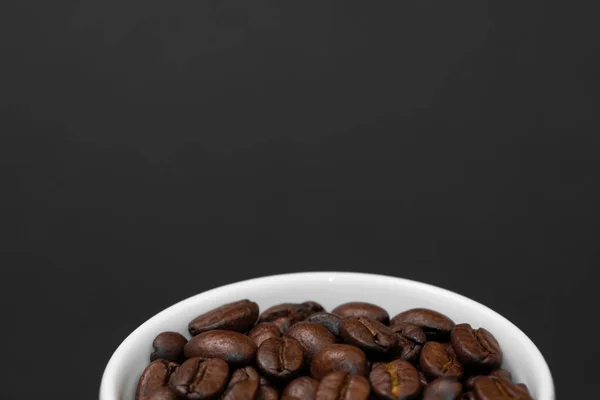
(435, 325)
(442, 389)
(362, 309)
(304, 388)
(238, 316)
(233, 347)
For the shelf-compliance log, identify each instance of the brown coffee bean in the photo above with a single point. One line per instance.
(442, 389)
(328, 320)
(502, 373)
(369, 335)
(243, 374)
(395, 380)
(242, 390)
(294, 312)
(312, 336)
(233, 347)
(154, 381)
(438, 360)
(264, 331)
(266, 391)
(436, 326)
(476, 348)
(339, 357)
(411, 339)
(342, 385)
(304, 388)
(494, 388)
(362, 309)
(280, 358)
(168, 346)
(200, 379)
(238, 316)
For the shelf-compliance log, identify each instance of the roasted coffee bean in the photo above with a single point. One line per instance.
(154, 382)
(328, 320)
(436, 326)
(244, 374)
(304, 388)
(502, 373)
(168, 346)
(443, 389)
(398, 379)
(342, 385)
(312, 336)
(411, 339)
(294, 312)
(438, 360)
(476, 348)
(242, 390)
(200, 379)
(264, 331)
(369, 335)
(339, 357)
(233, 347)
(361, 309)
(266, 391)
(494, 388)
(238, 316)
(280, 358)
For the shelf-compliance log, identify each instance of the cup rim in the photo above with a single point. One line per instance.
(109, 376)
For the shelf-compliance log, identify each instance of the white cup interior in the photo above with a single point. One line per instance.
(521, 356)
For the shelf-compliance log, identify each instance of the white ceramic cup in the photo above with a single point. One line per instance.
(521, 356)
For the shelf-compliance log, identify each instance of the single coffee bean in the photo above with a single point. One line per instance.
(168, 346)
(411, 339)
(362, 309)
(502, 373)
(244, 374)
(153, 384)
(266, 391)
(264, 331)
(280, 358)
(476, 348)
(494, 388)
(442, 389)
(238, 316)
(328, 320)
(342, 385)
(339, 357)
(436, 326)
(200, 379)
(242, 390)
(438, 360)
(304, 388)
(233, 347)
(395, 380)
(369, 335)
(295, 312)
(312, 337)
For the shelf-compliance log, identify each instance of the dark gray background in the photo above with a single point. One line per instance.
(151, 150)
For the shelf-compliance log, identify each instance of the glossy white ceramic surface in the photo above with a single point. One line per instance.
(521, 356)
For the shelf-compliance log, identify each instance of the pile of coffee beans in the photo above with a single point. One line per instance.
(299, 351)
